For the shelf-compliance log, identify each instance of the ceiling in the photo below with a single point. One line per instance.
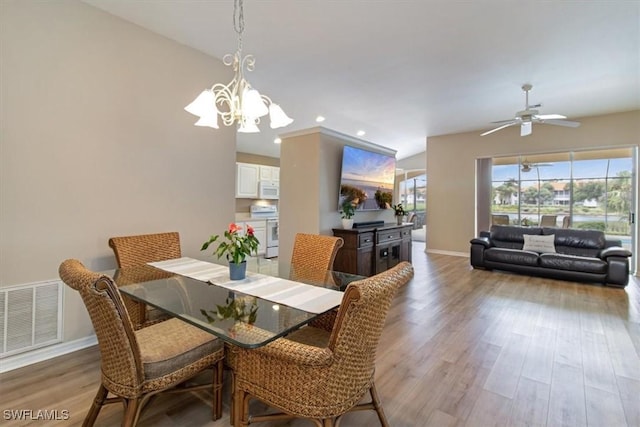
(404, 70)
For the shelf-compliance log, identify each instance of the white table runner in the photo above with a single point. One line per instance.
(313, 299)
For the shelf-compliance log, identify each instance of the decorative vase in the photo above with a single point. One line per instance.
(347, 223)
(399, 218)
(237, 271)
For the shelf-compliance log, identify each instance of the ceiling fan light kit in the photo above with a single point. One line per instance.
(242, 104)
(528, 166)
(529, 115)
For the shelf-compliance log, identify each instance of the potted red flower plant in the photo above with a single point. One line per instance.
(238, 244)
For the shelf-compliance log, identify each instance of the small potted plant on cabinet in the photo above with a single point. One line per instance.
(347, 212)
(399, 212)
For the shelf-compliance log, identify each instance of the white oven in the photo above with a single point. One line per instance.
(270, 214)
(272, 238)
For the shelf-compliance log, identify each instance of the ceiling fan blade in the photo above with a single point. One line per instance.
(550, 116)
(503, 121)
(567, 123)
(498, 128)
(525, 129)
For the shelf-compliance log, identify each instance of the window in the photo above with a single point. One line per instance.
(592, 188)
(412, 188)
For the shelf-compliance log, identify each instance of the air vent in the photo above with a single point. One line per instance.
(30, 316)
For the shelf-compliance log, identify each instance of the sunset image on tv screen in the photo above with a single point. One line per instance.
(367, 178)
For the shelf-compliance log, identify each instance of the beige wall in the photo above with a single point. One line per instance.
(417, 161)
(95, 143)
(451, 167)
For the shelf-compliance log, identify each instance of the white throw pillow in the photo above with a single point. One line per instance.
(536, 243)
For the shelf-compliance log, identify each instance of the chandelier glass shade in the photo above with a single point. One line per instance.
(237, 102)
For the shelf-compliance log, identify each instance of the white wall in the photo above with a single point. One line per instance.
(95, 143)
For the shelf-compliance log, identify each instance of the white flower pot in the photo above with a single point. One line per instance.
(347, 223)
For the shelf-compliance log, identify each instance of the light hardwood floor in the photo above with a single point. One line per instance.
(461, 347)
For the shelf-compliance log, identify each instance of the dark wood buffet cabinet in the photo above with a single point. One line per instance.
(369, 251)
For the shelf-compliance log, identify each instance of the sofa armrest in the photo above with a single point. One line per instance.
(615, 251)
(478, 246)
(484, 241)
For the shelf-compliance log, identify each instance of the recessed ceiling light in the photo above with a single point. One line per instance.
(320, 119)
(361, 133)
(277, 141)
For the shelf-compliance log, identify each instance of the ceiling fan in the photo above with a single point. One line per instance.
(529, 115)
(527, 166)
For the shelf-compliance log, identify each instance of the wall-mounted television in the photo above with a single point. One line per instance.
(367, 179)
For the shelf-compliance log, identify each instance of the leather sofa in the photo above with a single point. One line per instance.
(580, 255)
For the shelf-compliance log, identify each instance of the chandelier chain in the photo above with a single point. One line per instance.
(238, 20)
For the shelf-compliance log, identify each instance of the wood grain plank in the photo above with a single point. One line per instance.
(624, 356)
(503, 378)
(538, 362)
(604, 408)
(530, 404)
(490, 410)
(598, 371)
(629, 394)
(567, 397)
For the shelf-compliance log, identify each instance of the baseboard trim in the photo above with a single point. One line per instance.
(29, 358)
(440, 252)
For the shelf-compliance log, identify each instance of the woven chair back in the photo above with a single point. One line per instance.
(548, 220)
(313, 256)
(119, 351)
(358, 327)
(498, 219)
(144, 248)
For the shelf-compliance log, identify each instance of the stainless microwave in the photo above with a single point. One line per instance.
(268, 190)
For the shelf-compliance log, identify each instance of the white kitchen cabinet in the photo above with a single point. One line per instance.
(247, 175)
(269, 173)
(260, 231)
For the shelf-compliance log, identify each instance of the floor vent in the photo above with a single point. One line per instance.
(30, 317)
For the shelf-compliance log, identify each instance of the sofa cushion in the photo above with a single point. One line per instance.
(542, 244)
(573, 263)
(511, 256)
(577, 242)
(509, 236)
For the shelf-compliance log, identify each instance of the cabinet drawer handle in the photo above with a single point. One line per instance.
(367, 240)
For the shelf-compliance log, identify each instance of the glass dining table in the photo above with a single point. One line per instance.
(273, 300)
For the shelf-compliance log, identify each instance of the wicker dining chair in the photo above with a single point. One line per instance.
(138, 364)
(138, 250)
(313, 256)
(499, 219)
(548, 220)
(311, 262)
(318, 374)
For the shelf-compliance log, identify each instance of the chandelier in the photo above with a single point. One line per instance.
(237, 102)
